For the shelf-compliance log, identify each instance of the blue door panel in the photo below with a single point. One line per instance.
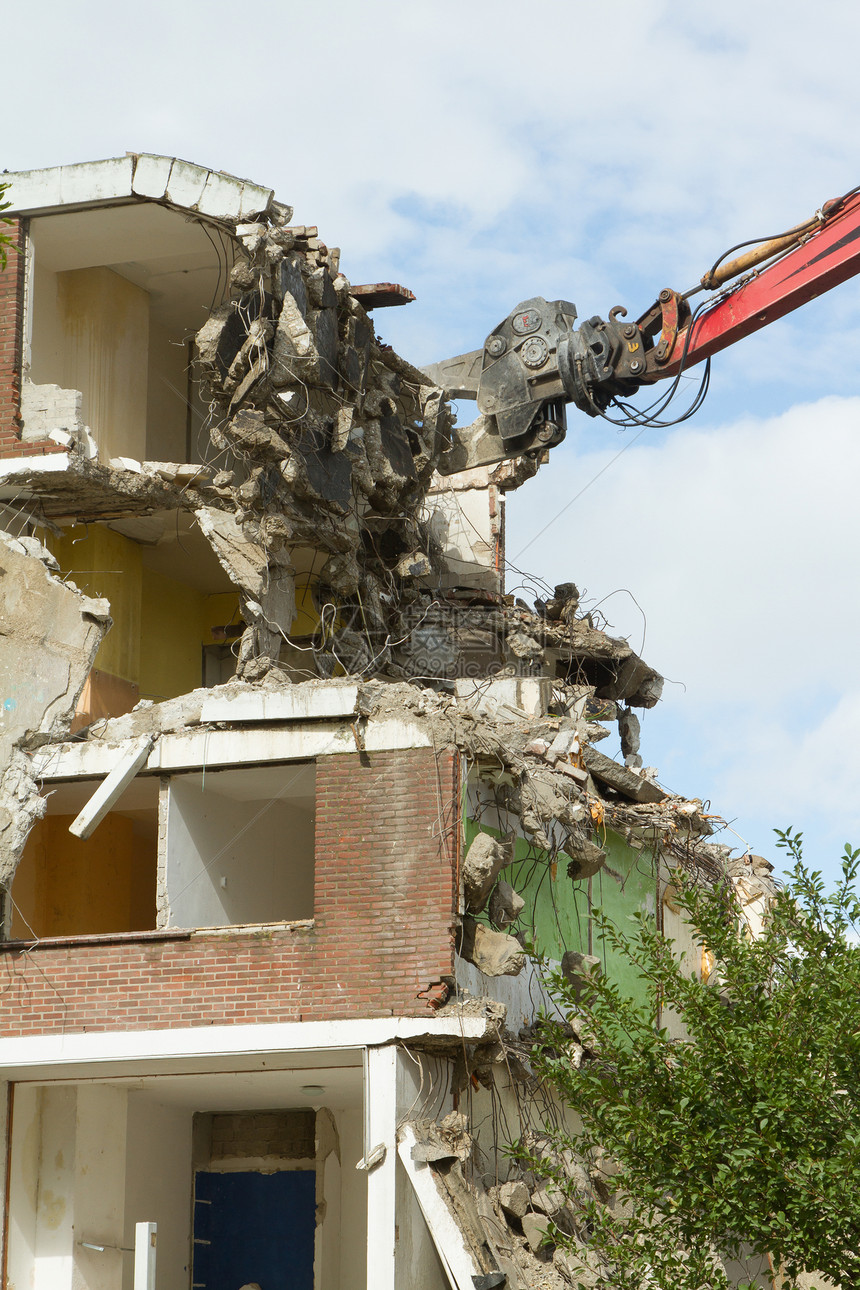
(255, 1227)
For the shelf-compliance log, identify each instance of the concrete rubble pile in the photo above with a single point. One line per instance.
(524, 1232)
(332, 437)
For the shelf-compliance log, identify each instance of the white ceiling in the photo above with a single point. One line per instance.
(231, 1091)
(182, 262)
(294, 782)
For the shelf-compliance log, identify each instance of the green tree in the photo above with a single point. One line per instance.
(741, 1140)
(6, 242)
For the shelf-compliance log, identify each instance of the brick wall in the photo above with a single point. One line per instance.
(12, 280)
(284, 1135)
(387, 851)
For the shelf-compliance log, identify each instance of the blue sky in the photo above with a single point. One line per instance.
(485, 152)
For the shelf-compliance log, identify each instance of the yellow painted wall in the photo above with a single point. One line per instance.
(104, 563)
(219, 611)
(171, 637)
(307, 619)
(159, 624)
(66, 887)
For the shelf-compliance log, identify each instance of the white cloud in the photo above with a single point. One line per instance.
(741, 541)
(741, 544)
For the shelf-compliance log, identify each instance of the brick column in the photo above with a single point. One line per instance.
(386, 870)
(12, 282)
(11, 340)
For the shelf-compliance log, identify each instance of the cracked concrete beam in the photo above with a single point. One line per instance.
(620, 778)
(264, 578)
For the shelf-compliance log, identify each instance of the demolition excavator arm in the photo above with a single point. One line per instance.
(537, 361)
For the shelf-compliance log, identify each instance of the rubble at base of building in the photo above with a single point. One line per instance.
(525, 1232)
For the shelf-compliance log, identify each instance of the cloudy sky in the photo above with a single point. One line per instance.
(485, 151)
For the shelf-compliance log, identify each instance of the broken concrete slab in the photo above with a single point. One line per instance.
(493, 953)
(48, 640)
(447, 1139)
(264, 575)
(624, 781)
(484, 860)
(312, 701)
(106, 795)
(21, 805)
(566, 741)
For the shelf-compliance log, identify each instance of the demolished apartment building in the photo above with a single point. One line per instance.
(289, 783)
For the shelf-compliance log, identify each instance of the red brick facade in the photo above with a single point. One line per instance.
(387, 857)
(12, 280)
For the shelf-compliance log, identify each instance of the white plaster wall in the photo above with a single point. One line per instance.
(263, 849)
(99, 1186)
(461, 522)
(25, 1151)
(327, 1242)
(353, 1201)
(91, 333)
(53, 1252)
(157, 1184)
(67, 1172)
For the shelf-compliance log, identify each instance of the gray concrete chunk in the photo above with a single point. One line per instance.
(484, 859)
(493, 953)
(536, 1229)
(506, 905)
(514, 1198)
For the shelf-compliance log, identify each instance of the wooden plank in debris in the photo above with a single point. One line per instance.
(381, 295)
(620, 778)
(110, 790)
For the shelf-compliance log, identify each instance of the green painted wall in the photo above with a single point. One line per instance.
(556, 915)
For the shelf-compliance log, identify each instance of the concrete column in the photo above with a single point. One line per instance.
(41, 1225)
(67, 1188)
(380, 1096)
(99, 1196)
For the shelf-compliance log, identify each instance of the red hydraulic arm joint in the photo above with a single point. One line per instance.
(829, 253)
